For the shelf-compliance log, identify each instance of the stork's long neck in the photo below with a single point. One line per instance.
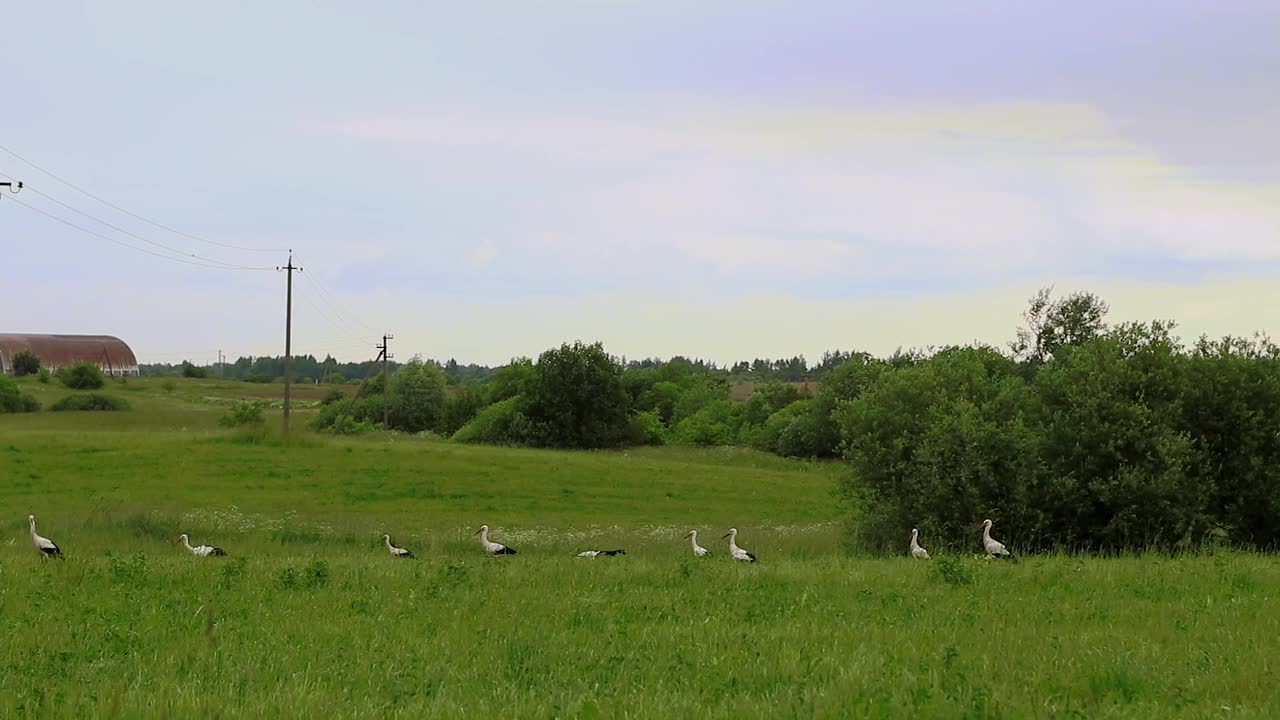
(387, 540)
(186, 543)
(693, 540)
(33, 530)
(484, 537)
(986, 534)
(733, 542)
(914, 544)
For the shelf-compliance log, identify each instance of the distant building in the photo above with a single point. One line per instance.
(57, 351)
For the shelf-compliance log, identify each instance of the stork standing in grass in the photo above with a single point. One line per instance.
(201, 550)
(491, 547)
(736, 552)
(994, 549)
(396, 552)
(601, 553)
(698, 550)
(44, 546)
(916, 550)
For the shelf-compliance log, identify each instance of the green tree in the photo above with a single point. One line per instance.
(417, 396)
(193, 371)
(13, 400)
(577, 399)
(1052, 325)
(26, 363)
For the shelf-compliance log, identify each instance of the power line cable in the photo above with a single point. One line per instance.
(108, 238)
(134, 215)
(175, 251)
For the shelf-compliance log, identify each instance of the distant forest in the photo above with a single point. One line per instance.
(309, 369)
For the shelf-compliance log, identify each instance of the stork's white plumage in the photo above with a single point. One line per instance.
(491, 547)
(396, 552)
(201, 550)
(698, 550)
(44, 546)
(916, 550)
(601, 553)
(994, 549)
(736, 552)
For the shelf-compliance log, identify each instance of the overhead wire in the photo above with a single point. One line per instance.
(134, 215)
(175, 251)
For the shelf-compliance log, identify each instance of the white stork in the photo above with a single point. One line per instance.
(396, 552)
(994, 549)
(601, 553)
(698, 550)
(491, 547)
(916, 550)
(736, 552)
(44, 546)
(201, 550)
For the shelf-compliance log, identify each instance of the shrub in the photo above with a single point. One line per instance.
(336, 379)
(258, 378)
(43, 376)
(26, 363)
(460, 408)
(82, 376)
(169, 385)
(502, 423)
(417, 396)
(645, 428)
(244, 412)
(193, 371)
(89, 402)
(715, 424)
(13, 400)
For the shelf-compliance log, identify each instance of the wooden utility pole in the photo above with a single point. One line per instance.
(289, 269)
(386, 383)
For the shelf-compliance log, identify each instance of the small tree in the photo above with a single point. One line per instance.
(1052, 325)
(26, 363)
(82, 376)
(577, 399)
(417, 396)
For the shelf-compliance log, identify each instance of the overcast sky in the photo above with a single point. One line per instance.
(725, 179)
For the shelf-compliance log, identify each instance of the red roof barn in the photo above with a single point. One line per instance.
(57, 351)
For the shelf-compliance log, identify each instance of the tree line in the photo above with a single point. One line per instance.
(1079, 435)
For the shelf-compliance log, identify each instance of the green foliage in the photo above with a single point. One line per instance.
(26, 363)
(81, 376)
(577, 399)
(243, 413)
(42, 376)
(515, 379)
(953, 569)
(90, 402)
(502, 423)
(417, 396)
(13, 400)
(646, 428)
(1052, 325)
(193, 371)
(168, 385)
(460, 408)
(716, 423)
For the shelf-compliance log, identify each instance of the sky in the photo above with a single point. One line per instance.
(725, 179)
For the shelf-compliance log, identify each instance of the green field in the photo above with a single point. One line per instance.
(309, 617)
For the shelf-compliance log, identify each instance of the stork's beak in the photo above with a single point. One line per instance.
(725, 535)
(476, 532)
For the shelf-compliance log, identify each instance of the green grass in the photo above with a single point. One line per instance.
(309, 617)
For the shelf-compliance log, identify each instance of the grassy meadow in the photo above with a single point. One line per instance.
(309, 616)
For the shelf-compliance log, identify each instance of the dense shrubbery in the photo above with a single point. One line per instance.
(90, 402)
(26, 363)
(82, 376)
(193, 371)
(13, 400)
(243, 413)
(416, 402)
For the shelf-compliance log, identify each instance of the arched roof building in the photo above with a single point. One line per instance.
(57, 351)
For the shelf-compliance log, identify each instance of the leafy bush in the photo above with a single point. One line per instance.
(502, 423)
(577, 399)
(82, 376)
(645, 428)
(460, 408)
(26, 363)
(244, 412)
(259, 379)
(89, 402)
(715, 424)
(168, 385)
(417, 396)
(43, 376)
(193, 371)
(13, 400)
